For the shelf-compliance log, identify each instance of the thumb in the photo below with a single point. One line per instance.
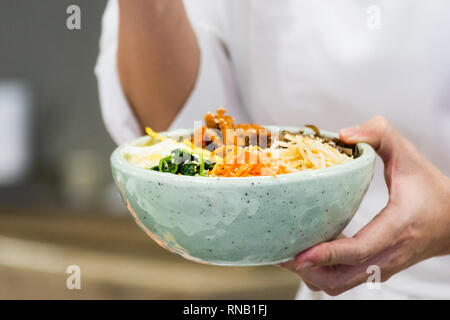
(377, 132)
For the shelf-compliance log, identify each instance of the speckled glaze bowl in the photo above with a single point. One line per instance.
(243, 221)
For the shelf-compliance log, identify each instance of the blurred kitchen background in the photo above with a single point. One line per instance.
(58, 206)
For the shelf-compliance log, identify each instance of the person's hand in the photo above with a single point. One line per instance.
(415, 224)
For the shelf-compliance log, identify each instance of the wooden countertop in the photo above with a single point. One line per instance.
(117, 261)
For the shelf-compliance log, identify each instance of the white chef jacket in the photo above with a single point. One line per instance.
(331, 63)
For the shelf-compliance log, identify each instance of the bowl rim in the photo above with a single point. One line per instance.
(366, 158)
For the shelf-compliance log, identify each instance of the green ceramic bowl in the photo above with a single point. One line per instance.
(243, 221)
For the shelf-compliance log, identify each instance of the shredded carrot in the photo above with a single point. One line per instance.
(241, 170)
(246, 162)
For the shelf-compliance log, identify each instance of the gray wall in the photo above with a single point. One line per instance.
(36, 46)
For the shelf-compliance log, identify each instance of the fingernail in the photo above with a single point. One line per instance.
(304, 265)
(349, 132)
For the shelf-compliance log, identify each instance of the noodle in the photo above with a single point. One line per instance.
(239, 157)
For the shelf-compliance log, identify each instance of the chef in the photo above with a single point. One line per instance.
(337, 64)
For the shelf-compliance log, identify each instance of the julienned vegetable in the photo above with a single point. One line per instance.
(184, 163)
(223, 149)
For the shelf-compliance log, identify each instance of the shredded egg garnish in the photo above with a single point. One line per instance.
(149, 156)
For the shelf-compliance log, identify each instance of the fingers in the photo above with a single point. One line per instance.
(340, 265)
(311, 286)
(338, 279)
(289, 265)
(334, 280)
(375, 237)
(342, 251)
